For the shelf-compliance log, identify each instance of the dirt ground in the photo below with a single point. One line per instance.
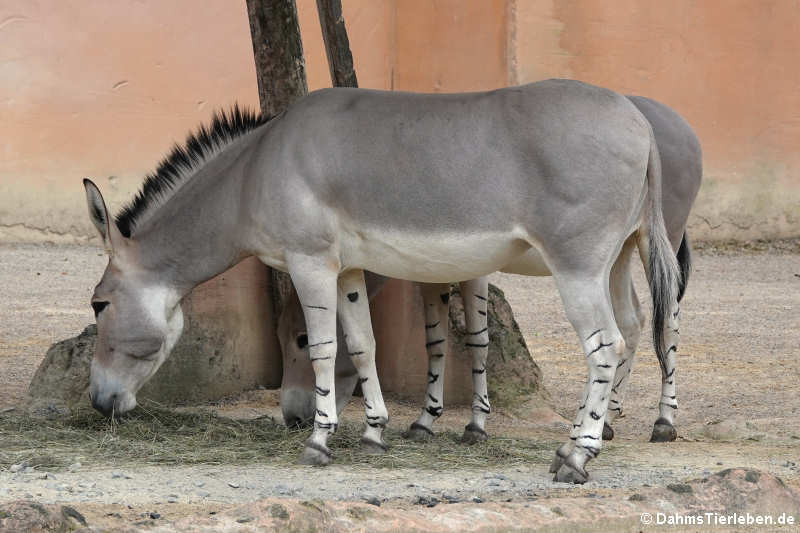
(738, 385)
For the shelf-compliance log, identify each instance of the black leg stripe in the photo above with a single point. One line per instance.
(435, 412)
(598, 348)
(433, 343)
(321, 343)
(594, 333)
(431, 326)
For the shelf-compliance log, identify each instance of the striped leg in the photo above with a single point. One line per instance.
(664, 428)
(588, 306)
(354, 315)
(315, 281)
(630, 320)
(475, 294)
(436, 300)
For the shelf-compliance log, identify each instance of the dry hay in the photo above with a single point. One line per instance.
(154, 435)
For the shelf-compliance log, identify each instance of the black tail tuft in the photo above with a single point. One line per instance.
(685, 262)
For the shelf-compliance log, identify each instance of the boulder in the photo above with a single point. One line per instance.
(61, 383)
(33, 516)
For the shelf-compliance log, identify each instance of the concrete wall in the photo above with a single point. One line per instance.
(730, 68)
(101, 89)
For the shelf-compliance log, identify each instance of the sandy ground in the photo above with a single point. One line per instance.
(738, 377)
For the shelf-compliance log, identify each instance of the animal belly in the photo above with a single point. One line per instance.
(531, 263)
(432, 257)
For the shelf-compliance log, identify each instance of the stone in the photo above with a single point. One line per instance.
(34, 516)
(61, 382)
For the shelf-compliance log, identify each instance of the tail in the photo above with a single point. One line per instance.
(685, 262)
(663, 270)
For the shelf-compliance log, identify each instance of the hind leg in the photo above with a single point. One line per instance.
(475, 294)
(354, 315)
(664, 427)
(436, 298)
(588, 306)
(630, 320)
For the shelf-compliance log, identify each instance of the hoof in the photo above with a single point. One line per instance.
(418, 433)
(557, 462)
(663, 431)
(371, 447)
(569, 474)
(315, 455)
(473, 434)
(608, 432)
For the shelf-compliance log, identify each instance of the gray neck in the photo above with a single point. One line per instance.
(192, 237)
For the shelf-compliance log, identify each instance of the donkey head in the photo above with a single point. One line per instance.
(139, 317)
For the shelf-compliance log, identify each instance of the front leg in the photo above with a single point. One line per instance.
(315, 281)
(475, 295)
(436, 298)
(357, 326)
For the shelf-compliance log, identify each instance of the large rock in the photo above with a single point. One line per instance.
(61, 382)
(32, 516)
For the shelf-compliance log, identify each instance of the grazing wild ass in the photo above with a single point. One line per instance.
(681, 174)
(425, 187)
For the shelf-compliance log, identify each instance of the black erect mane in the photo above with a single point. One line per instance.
(182, 160)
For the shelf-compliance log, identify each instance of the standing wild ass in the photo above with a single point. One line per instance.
(681, 171)
(425, 187)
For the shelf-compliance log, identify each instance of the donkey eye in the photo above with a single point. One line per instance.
(302, 341)
(98, 307)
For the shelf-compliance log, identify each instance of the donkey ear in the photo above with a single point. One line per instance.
(100, 217)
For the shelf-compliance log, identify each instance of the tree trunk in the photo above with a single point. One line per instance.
(337, 45)
(281, 74)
